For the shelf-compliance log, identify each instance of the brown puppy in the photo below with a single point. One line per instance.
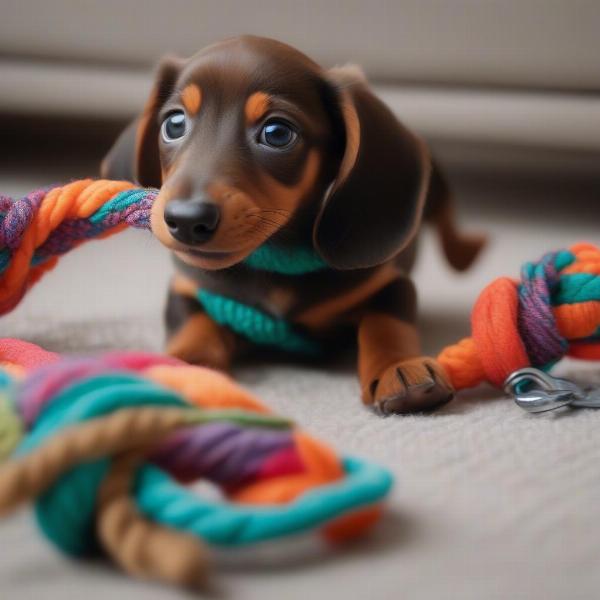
(250, 141)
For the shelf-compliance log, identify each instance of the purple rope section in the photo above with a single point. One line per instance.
(46, 382)
(537, 324)
(131, 207)
(17, 216)
(221, 452)
(136, 214)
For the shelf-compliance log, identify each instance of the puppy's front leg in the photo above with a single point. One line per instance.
(394, 376)
(193, 336)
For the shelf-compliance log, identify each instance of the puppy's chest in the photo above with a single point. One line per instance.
(284, 296)
(316, 301)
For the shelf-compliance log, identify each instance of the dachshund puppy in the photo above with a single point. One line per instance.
(254, 146)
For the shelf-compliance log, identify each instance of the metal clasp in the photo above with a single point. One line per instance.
(536, 391)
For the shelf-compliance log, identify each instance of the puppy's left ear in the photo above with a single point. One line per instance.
(135, 156)
(374, 206)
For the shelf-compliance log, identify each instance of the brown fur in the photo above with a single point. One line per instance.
(356, 184)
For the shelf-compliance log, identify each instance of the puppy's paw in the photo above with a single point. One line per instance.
(412, 385)
(201, 342)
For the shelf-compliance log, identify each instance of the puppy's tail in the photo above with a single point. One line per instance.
(460, 249)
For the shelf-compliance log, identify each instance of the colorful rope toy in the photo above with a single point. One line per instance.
(554, 311)
(105, 445)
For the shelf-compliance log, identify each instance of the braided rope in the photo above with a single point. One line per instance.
(120, 433)
(296, 261)
(30, 475)
(142, 547)
(256, 325)
(37, 229)
(554, 310)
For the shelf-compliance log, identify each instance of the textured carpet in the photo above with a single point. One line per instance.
(490, 502)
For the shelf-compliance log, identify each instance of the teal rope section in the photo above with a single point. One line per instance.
(120, 203)
(256, 325)
(577, 287)
(296, 261)
(95, 397)
(571, 288)
(161, 499)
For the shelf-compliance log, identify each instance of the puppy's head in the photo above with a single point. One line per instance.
(250, 140)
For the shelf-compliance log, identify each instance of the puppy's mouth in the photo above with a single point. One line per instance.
(211, 260)
(207, 254)
(243, 228)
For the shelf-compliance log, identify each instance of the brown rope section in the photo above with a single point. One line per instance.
(128, 429)
(142, 548)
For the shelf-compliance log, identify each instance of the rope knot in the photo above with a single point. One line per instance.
(122, 432)
(537, 325)
(552, 311)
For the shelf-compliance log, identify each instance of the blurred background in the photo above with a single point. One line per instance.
(488, 82)
(491, 504)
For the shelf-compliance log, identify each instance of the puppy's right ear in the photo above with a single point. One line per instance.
(135, 154)
(374, 206)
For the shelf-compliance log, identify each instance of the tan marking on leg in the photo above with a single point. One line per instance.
(256, 106)
(191, 97)
(184, 286)
(393, 374)
(383, 340)
(201, 341)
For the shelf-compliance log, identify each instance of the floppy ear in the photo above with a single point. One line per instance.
(147, 159)
(374, 206)
(135, 153)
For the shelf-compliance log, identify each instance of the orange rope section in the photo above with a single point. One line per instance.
(77, 200)
(496, 349)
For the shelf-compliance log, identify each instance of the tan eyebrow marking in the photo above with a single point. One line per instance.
(191, 97)
(256, 106)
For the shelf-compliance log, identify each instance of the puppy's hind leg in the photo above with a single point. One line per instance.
(461, 249)
(193, 336)
(394, 376)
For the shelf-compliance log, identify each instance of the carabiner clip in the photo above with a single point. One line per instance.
(535, 391)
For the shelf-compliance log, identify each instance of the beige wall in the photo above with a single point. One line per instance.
(517, 78)
(531, 43)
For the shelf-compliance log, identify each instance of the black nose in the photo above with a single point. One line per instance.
(192, 221)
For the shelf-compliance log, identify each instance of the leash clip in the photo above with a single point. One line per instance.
(535, 391)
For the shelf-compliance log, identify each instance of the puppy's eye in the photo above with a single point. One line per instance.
(277, 134)
(174, 126)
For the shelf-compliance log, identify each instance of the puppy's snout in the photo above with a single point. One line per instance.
(192, 221)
